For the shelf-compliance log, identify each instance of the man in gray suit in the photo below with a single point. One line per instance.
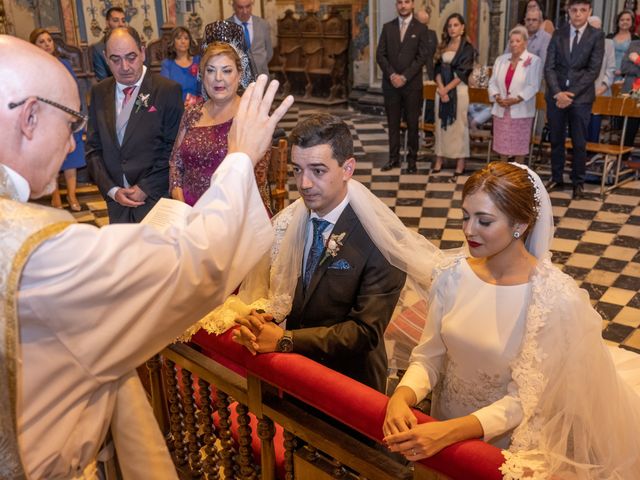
(256, 34)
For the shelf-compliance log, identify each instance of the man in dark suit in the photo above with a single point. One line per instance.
(115, 19)
(133, 122)
(257, 34)
(346, 291)
(402, 51)
(572, 66)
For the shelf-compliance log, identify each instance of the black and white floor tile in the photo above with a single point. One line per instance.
(596, 242)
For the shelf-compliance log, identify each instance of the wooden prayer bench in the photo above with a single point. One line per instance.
(280, 429)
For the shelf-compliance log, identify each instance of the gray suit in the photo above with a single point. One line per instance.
(261, 49)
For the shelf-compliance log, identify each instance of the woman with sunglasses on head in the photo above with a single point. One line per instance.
(41, 38)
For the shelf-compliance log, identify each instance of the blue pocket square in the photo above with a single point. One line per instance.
(341, 264)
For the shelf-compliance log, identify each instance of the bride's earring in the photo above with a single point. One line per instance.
(516, 235)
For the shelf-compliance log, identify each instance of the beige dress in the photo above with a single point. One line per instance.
(454, 141)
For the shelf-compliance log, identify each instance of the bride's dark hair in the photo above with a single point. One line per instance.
(509, 187)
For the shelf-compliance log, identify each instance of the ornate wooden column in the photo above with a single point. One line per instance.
(495, 48)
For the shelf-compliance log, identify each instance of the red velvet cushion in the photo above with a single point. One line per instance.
(350, 402)
(223, 350)
(363, 409)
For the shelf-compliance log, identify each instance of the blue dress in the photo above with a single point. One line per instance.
(76, 158)
(187, 77)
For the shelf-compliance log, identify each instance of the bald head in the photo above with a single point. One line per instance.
(595, 22)
(37, 137)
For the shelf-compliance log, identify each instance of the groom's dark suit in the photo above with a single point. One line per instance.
(340, 320)
(146, 146)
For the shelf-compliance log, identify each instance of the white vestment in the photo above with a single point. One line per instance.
(96, 303)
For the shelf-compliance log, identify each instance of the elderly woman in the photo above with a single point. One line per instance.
(41, 38)
(630, 68)
(182, 64)
(515, 80)
(201, 144)
(513, 351)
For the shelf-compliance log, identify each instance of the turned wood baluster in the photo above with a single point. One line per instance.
(266, 432)
(289, 446)
(158, 396)
(175, 416)
(224, 434)
(247, 470)
(190, 425)
(210, 462)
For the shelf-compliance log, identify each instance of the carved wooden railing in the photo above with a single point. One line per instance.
(229, 415)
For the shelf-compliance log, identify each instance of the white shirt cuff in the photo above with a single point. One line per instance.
(417, 379)
(112, 193)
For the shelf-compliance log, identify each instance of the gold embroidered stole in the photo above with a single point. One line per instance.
(23, 227)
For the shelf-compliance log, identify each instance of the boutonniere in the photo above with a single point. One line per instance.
(333, 246)
(193, 70)
(635, 91)
(527, 62)
(142, 101)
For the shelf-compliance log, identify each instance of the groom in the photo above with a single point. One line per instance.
(346, 290)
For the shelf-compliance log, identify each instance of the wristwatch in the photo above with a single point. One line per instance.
(285, 344)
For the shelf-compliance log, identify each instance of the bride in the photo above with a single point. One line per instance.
(512, 350)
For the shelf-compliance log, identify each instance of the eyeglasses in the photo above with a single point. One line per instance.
(76, 125)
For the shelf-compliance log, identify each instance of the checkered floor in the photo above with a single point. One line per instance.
(597, 243)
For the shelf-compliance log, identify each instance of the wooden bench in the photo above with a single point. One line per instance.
(481, 137)
(277, 175)
(611, 154)
(476, 95)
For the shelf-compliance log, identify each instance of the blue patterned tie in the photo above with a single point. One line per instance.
(317, 247)
(247, 37)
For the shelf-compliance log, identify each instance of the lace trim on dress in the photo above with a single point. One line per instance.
(482, 391)
(523, 460)
(223, 317)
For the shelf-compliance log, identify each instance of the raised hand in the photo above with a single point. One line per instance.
(253, 127)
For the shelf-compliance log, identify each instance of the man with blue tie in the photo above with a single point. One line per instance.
(257, 34)
(346, 290)
(572, 66)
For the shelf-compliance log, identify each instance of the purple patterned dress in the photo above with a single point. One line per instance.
(198, 153)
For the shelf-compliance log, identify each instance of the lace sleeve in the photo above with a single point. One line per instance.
(566, 377)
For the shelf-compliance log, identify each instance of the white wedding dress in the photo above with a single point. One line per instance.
(530, 363)
(466, 350)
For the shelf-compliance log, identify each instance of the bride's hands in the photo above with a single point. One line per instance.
(399, 417)
(427, 439)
